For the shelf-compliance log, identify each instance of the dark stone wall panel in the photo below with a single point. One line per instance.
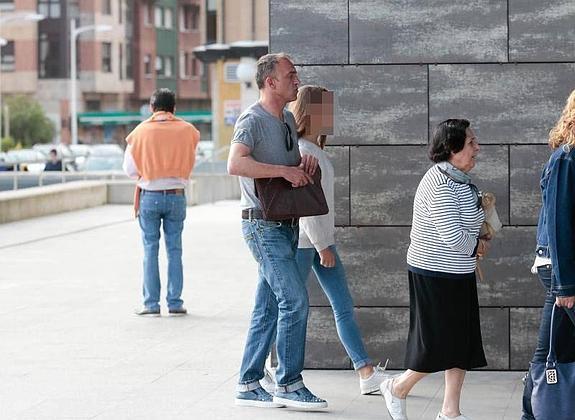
(384, 332)
(383, 183)
(507, 270)
(506, 103)
(323, 349)
(375, 105)
(339, 157)
(301, 28)
(526, 164)
(374, 259)
(523, 335)
(491, 174)
(541, 30)
(495, 334)
(435, 31)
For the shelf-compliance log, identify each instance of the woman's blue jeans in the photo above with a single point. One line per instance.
(281, 304)
(565, 344)
(334, 284)
(167, 210)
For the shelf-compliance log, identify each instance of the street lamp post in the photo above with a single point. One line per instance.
(26, 16)
(74, 33)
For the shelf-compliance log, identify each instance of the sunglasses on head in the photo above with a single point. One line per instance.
(288, 138)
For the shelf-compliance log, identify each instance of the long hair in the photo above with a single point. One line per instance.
(564, 130)
(307, 95)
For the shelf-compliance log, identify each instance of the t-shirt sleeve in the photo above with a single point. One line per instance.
(244, 133)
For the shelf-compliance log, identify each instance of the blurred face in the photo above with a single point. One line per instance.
(285, 82)
(319, 113)
(465, 158)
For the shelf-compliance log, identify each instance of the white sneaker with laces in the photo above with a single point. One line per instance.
(441, 416)
(395, 405)
(371, 384)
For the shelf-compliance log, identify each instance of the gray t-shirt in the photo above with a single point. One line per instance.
(265, 135)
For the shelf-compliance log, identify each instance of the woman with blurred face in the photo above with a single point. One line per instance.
(313, 112)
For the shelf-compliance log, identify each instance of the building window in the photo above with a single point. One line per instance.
(106, 57)
(168, 18)
(159, 66)
(148, 65)
(230, 73)
(50, 57)
(7, 60)
(158, 17)
(194, 67)
(129, 74)
(211, 23)
(49, 8)
(92, 105)
(120, 11)
(189, 18)
(184, 70)
(148, 14)
(168, 66)
(107, 7)
(6, 5)
(121, 61)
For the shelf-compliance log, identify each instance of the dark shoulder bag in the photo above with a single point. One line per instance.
(553, 382)
(281, 201)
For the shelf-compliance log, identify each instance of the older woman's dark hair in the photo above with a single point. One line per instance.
(449, 137)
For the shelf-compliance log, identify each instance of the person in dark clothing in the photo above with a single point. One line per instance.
(54, 164)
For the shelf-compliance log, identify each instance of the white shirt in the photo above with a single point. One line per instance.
(318, 231)
(131, 170)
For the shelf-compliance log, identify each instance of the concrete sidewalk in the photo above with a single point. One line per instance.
(70, 347)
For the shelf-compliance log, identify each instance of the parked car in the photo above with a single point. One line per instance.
(103, 163)
(106, 150)
(26, 160)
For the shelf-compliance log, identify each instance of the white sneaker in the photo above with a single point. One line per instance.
(395, 405)
(441, 416)
(371, 384)
(267, 382)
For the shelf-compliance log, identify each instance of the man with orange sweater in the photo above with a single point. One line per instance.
(161, 153)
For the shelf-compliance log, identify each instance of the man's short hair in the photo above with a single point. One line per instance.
(163, 100)
(266, 67)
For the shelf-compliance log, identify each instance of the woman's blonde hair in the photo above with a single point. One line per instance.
(564, 130)
(307, 95)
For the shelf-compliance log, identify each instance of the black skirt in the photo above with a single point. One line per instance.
(444, 330)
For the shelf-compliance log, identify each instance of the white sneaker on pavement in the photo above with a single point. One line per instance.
(395, 405)
(371, 384)
(441, 416)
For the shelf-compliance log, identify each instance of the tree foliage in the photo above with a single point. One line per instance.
(28, 122)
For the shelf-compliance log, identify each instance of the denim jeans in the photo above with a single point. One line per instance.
(168, 210)
(565, 340)
(281, 304)
(334, 284)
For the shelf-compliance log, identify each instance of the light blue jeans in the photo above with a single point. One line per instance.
(334, 284)
(281, 304)
(169, 210)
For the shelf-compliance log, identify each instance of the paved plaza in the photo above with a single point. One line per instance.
(70, 347)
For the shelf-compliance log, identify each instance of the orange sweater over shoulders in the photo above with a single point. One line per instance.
(164, 146)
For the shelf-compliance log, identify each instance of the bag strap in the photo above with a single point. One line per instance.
(551, 357)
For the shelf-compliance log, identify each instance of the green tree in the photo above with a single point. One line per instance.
(28, 123)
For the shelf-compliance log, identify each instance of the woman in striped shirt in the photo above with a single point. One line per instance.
(444, 330)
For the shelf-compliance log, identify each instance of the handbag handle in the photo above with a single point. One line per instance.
(551, 357)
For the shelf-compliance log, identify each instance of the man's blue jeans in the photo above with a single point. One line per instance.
(334, 284)
(169, 210)
(281, 301)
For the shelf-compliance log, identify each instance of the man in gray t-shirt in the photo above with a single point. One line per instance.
(265, 146)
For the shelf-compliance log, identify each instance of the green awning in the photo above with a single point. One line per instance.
(122, 118)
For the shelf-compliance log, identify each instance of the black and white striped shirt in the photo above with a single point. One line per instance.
(446, 224)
